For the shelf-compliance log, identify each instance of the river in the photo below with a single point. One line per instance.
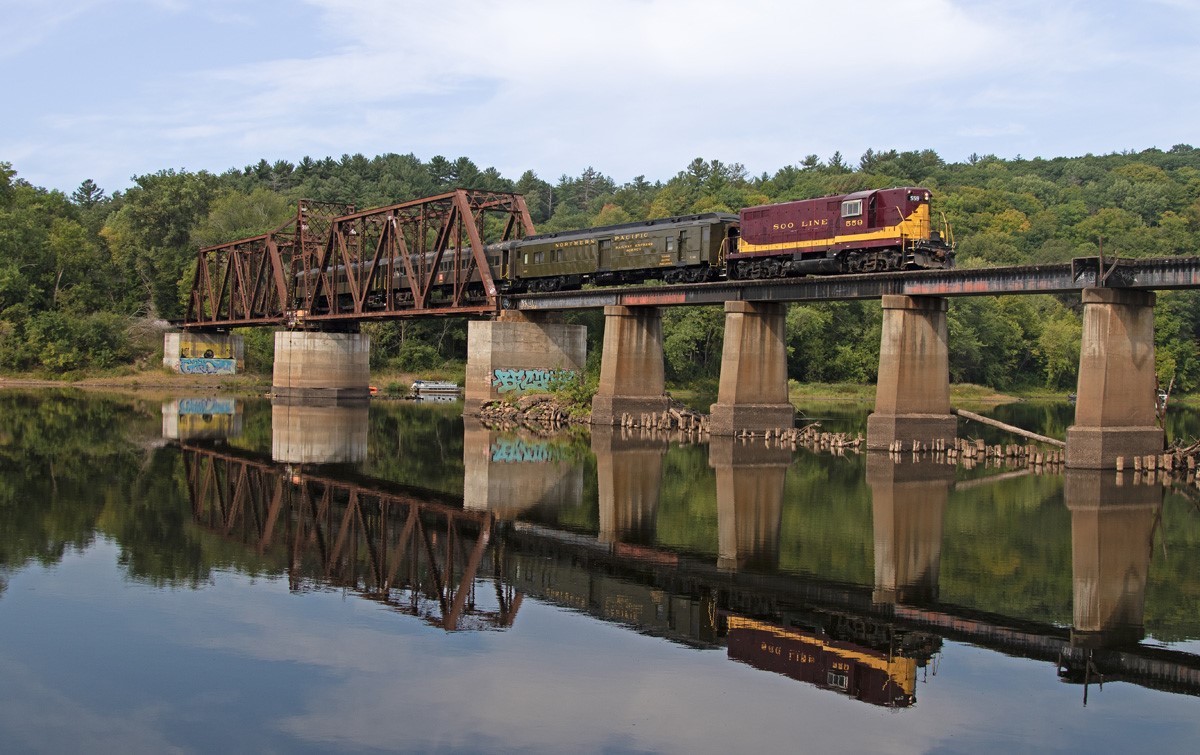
(216, 574)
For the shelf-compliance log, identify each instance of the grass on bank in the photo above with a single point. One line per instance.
(150, 374)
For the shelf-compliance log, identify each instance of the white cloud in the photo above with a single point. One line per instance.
(629, 86)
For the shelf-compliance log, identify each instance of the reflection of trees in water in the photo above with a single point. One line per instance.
(73, 465)
(77, 465)
(1007, 548)
(56, 442)
(416, 445)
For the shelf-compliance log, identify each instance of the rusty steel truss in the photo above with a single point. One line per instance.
(417, 556)
(252, 281)
(331, 264)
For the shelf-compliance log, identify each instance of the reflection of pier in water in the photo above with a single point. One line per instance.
(670, 593)
(413, 553)
(893, 626)
(332, 432)
(201, 417)
(507, 474)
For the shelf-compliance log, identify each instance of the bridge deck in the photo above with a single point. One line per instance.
(1065, 277)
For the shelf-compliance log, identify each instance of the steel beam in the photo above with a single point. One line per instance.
(1066, 277)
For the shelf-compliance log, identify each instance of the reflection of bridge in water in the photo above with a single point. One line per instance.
(413, 553)
(423, 553)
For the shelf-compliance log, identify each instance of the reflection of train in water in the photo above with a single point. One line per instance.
(869, 231)
(868, 659)
(873, 676)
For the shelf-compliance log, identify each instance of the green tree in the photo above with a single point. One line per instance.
(692, 339)
(234, 215)
(1058, 348)
(88, 194)
(150, 236)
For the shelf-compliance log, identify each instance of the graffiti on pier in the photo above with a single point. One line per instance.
(207, 406)
(517, 450)
(202, 366)
(508, 380)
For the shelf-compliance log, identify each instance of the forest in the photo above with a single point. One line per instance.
(87, 279)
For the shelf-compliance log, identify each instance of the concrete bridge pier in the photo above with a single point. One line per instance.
(629, 473)
(753, 393)
(1115, 404)
(631, 367)
(750, 480)
(1112, 529)
(323, 366)
(908, 502)
(519, 352)
(912, 396)
(193, 353)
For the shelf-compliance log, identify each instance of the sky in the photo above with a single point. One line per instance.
(114, 89)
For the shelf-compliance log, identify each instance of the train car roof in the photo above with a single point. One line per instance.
(696, 219)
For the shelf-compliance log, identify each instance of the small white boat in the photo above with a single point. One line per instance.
(435, 388)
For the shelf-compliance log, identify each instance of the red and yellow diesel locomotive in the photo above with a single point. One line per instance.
(865, 232)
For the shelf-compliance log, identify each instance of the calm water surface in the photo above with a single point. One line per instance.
(227, 575)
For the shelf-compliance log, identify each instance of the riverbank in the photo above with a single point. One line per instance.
(152, 381)
(392, 382)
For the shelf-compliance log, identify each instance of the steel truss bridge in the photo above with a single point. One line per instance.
(413, 553)
(293, 275)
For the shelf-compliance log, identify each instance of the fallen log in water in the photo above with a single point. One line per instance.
(1010, 428)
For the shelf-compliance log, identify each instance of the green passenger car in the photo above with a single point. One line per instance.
(689, 248)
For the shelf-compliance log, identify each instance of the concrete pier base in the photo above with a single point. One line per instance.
(908, 504)
(1112, 528)
(631, 367)
(325, 366)
(912, 398)
(204, 353)
(1114, 408)
(753, 391)
(520, 352)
